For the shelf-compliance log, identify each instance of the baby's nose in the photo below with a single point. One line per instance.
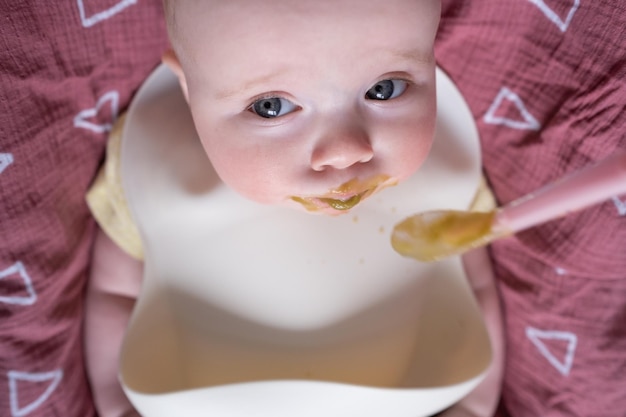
(341, 149)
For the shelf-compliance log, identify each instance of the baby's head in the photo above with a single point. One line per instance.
(308, 103)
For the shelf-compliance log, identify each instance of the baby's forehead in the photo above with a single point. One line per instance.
(249, 13)
(198, 25)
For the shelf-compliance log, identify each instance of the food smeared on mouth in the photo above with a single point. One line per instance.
(319, 203)
(338, 204)
(347, 195)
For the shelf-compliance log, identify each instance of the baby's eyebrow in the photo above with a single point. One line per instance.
(225, 94)
(413, 55)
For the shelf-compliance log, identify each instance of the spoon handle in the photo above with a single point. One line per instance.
(591, 185)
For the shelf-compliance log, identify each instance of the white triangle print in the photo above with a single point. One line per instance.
(16, 378)
(560, 271)
(561, 22)
(507, 97)
(19, 270)
(88, 118)
(99, 16)
(621, 206)
(6, 159)
(539, 337)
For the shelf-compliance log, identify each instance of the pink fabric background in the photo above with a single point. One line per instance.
(57, 64)
(563, 64)
(546, 81)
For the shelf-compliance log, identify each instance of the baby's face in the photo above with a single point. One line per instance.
(313, 104)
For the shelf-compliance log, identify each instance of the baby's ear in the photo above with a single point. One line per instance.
(171, 60)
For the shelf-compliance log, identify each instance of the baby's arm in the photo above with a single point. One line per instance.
(114, 284)
(483, 400)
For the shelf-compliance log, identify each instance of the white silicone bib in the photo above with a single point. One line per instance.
(254, 311)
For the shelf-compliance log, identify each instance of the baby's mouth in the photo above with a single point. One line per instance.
(346, 196)
(347, 204)
(323, 204)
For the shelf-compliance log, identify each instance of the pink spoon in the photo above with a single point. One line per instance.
(434, 235)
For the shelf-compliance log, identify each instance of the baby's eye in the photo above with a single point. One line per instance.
(386, 90)
(272, 107)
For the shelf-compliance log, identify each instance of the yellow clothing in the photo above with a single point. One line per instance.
(107, 201)
(484, 199)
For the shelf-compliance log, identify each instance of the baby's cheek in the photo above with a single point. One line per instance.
(414, 154)
(256, 183)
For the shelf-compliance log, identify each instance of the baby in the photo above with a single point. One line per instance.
(292, 100)
(309, 104)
